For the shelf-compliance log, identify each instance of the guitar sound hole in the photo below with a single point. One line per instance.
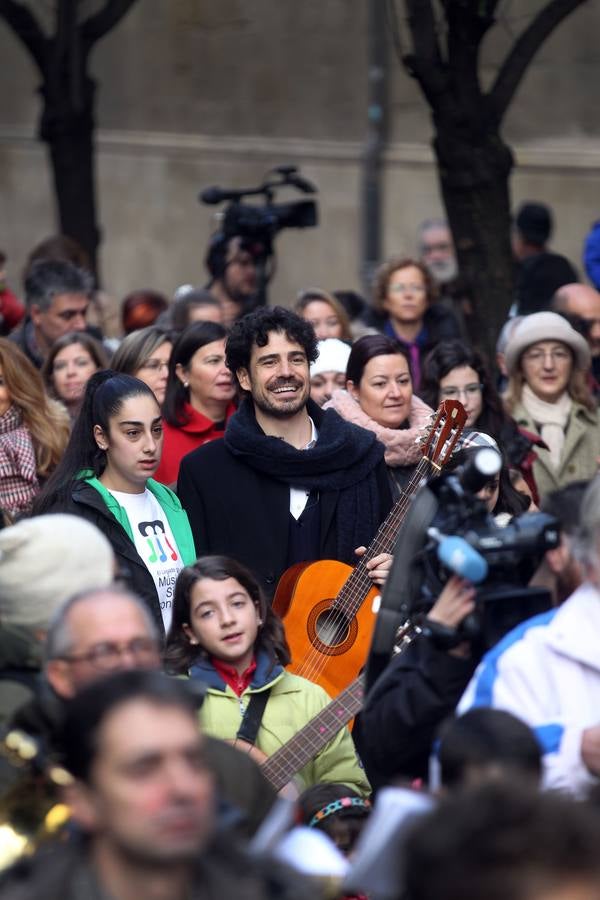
(332, 628)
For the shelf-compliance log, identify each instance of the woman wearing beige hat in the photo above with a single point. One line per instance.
(547, 362)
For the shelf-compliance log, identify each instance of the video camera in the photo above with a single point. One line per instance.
(447, 530)
(256, 225)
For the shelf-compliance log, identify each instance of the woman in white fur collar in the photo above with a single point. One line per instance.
(379, 396)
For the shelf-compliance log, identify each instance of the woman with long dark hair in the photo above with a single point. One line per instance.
(457, 372)
(226, 635)
(105, 476)
(199, 398)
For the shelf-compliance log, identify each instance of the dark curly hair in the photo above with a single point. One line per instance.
(179, 653)
(253, 331)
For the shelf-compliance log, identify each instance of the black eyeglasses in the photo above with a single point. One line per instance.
(108, 656)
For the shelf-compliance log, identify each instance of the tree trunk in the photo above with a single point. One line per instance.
(69, 134)
(474, 170)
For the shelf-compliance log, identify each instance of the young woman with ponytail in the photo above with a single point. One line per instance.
(105, 476)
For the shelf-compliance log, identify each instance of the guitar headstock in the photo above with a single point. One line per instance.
(439, 440)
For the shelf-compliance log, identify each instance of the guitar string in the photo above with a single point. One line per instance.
(298, 755)
(304, 745)
(311, 740)
(280, 773)
(358, 583)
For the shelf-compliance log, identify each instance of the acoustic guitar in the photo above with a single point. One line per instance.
(291, 757)
(280, 767)
(329, 608)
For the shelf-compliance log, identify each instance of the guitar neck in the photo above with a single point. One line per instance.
(282, 765)
(358, 583)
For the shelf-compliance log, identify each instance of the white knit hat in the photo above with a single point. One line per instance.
(333, 357)
(44, 561)
(545, 326)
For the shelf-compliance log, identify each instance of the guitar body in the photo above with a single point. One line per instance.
(328, 608)
(327, 646)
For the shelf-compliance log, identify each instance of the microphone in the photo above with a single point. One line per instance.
(461, 558)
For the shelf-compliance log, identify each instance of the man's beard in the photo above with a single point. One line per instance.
(263, 403)
(443, 270)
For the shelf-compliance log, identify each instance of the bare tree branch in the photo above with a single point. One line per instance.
(468, 22)
(516, 63)
(27, 29)
(425, 63)
(96, 26)
(421, 21)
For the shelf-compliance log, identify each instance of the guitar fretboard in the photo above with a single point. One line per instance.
(280, 768)
(358, 584)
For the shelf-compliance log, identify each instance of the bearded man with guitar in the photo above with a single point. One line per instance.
(288, 482)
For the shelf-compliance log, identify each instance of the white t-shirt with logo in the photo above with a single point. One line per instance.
(155, 543)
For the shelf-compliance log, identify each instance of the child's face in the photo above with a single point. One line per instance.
(344, 832)
(224, 621)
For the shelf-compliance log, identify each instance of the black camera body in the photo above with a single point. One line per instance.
(258, 225)
(262, 223)
(447, 513)
(511, 553)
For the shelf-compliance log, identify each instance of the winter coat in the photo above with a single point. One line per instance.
(20, 664)
(591, 255)
(24, 338)
(238, 511)
(64, 871)
(580, 453)
(182, 439)
(11, 311)
(91, 501)
(241, 786)
(293, 701)
(394, 732)
(439, 324)
(547, 672)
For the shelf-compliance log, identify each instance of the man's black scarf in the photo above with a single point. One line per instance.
(344, 459)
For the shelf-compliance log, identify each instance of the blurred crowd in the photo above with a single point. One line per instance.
(200, 496)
